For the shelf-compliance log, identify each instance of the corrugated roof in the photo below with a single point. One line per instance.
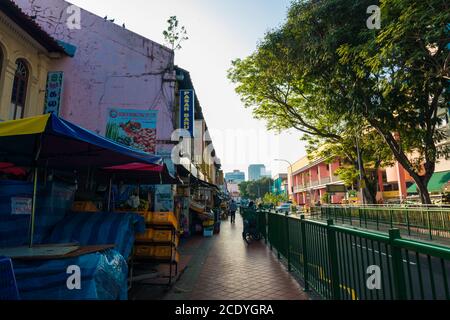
(15, 13)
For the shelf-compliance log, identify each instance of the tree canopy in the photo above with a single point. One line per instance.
(326, 74)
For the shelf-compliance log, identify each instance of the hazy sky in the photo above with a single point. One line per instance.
(219, 31)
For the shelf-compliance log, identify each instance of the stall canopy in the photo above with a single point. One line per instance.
(436, 184)
(204, 184)
(49, 141)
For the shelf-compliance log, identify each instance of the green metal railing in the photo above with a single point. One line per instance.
(347, 264)
(422, 222)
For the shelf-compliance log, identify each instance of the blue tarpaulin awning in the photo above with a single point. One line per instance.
(49, 141)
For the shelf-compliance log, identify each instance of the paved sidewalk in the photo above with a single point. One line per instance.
(226, 268)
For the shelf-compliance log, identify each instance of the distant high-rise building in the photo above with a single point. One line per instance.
(256, 171)
(235, 177)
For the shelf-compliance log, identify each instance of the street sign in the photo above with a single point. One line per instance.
(54, 92)
(187, 108)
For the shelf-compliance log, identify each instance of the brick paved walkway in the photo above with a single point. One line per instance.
(233, 270)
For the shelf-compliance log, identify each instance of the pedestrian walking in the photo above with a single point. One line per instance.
(233, 209)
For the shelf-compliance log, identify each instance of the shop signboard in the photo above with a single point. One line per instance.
(133, 128)
(164, 198)
(187, 107)
(54, 92)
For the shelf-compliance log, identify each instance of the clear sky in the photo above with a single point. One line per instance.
(219, 31)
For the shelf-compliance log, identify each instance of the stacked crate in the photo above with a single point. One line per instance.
(160, 241)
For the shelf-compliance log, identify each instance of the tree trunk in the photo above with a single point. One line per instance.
(422, 187)
(400, 156)
(368, 191)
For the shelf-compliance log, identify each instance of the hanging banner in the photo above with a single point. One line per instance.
(164, 198)
(54, 92)
(165, 151)
(133, 128)
(187, 108)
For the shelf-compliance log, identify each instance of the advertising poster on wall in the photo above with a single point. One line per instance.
(133, 128)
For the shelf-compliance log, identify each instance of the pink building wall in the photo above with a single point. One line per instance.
(324, 172)
(112, 68)
(313, 174)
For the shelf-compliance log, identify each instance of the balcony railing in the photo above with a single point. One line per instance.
(325, 180)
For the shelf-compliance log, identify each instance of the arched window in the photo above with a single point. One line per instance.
(19, 92)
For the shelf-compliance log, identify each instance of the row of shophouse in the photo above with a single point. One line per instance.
(311, 181)
(93, 72)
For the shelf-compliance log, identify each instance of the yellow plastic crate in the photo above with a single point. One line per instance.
(163, 252)
(162, 235)
(84, 206)
(144, 251)
(208, 223)
(147, 236)
(164, 218)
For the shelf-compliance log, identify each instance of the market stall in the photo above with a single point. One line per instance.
(52, 150)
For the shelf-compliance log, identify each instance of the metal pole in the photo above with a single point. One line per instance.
(360, 172)
(109, 194)
(33, 206)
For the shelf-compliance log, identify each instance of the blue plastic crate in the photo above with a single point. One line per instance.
(8, 284)
(208, 232)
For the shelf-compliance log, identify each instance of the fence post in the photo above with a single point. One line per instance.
(269, 229)
(429, 224)
(391, 218)
(397, 266)
(333, 259)
(407, 222)
(266, 224)
(288, 243)
(305, 252)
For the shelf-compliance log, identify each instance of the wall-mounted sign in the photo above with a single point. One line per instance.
(187, 107)
(53, 95)
(133, 128)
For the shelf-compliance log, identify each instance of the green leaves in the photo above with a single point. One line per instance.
(175, 35)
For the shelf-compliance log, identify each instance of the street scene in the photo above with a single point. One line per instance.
(249, 152)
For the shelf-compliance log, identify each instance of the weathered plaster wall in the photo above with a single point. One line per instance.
(17, 44)
(113, 67)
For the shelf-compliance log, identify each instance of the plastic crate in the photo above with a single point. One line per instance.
(162, 235)
(208, 223)
(8, 284)
(208, 232)
(148, 235)
(84, 206)
(144, 251)
(164, 218)
(164, 252)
